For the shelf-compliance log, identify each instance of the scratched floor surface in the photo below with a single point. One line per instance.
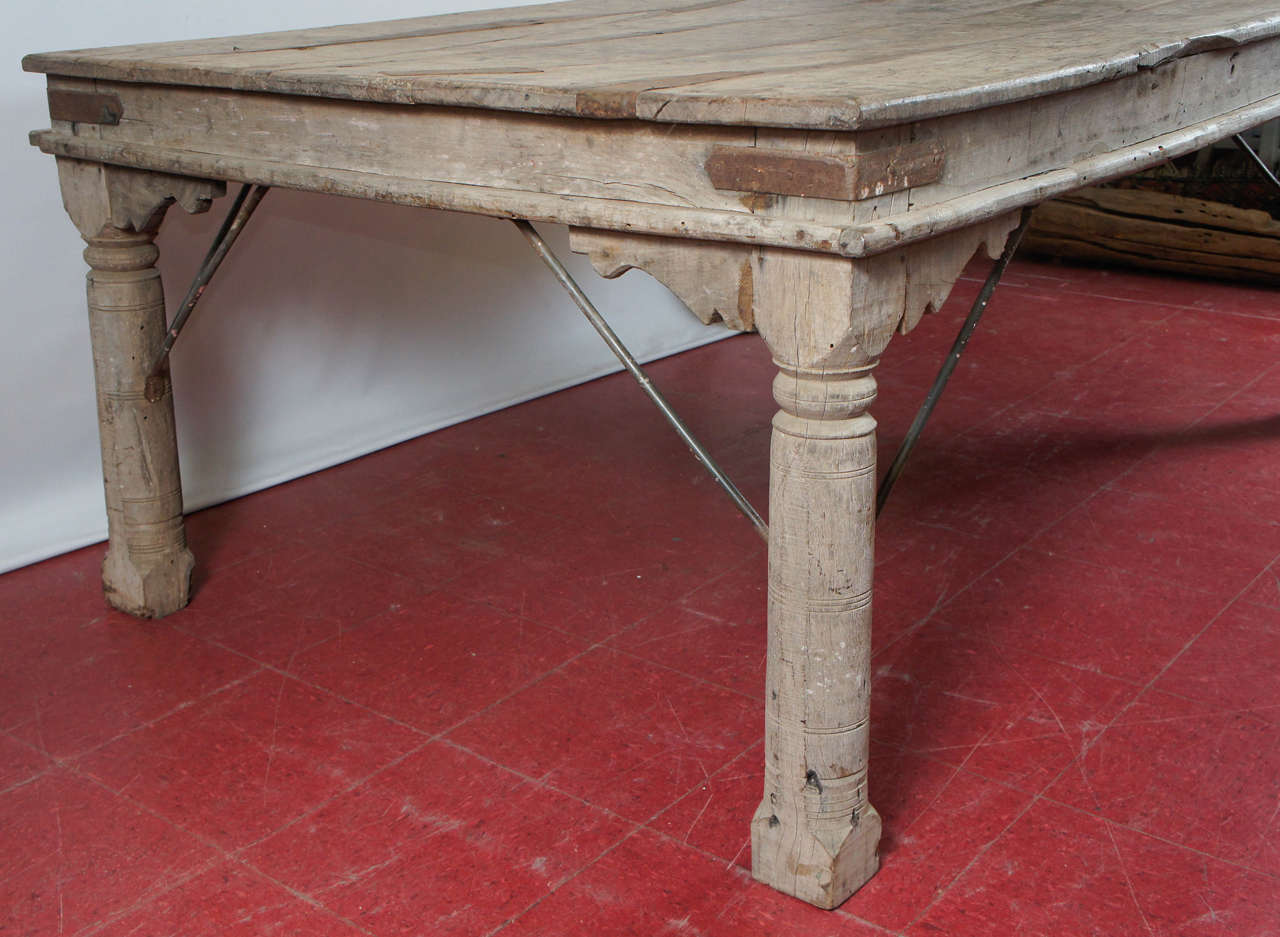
(508, 677)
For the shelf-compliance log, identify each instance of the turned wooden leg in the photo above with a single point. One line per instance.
(147, 569)
(827, 320)
(815, 834)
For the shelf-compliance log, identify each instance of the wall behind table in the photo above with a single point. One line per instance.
(335, 327)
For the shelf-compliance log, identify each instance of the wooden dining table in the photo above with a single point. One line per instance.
(819, 171)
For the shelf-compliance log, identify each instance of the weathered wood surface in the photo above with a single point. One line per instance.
(812, 64)
(649, 179)
(147, 569)
(713, 280)
(849, 178)
(1160, 231)
(608, 115)
(827, 320)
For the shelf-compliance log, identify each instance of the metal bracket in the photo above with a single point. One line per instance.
(953, 358)
(246, 201)
(633, 367)
(1257, 160)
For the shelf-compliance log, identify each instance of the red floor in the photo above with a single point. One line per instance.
(507, 677)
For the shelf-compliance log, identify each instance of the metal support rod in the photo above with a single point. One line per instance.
(1257, 160)
(949, 365)
(238, 215)
(646, 384)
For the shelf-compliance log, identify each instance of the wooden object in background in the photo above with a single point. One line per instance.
(1159, 231)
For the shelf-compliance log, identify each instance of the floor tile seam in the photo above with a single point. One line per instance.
(427, 589)
(1217, 509)
(23, 743)
(983, 639)
(1078, 758)
(944, 889)
(434, 584)
(1274, 568)
(1098, 815)
(1010, 786)
(1128, 879)
(1085, 291)
(31, 779)
(1057, 379)
(221, 851)
(934, 751)
(299, 895)
(565, 881)
(1216, 709)
(945, 600)
(632, 827)
(326, 691)
(429, 735)
(1177, 308)
(553, 788)
(704, 681)
(1144, 577)
(72, 760)
(708, 779)
(557, 630)
(731, 864)
(947, 783)
(1234, 313)
(266, 663)
(1011, 668)
(1157, 449)
(200, 869)
(1248, 386)
(635, 826)
(726, 572)
(678, 600)
(1226, 606)
(540, 783)
(239, 851)
(1070, 374)
(527, 685)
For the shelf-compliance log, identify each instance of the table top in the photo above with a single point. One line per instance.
(806, 64)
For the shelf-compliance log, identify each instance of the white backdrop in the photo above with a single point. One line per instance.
(334, 328)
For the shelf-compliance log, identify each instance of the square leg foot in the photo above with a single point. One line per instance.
(149, 587)
(818, 861)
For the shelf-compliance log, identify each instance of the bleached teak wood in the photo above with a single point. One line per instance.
(147, 569)
(877, 146)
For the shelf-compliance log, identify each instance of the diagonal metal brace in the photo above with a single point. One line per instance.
(633, 367)
(1257, 160)
(246, 201)
(953, 358)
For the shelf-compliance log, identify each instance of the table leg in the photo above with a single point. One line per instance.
(147, 569)
(827, 320)
(815, 835)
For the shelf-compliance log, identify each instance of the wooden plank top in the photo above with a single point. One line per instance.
(806, 64)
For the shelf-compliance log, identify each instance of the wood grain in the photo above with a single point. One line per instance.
(147, 569)
(1159, 231)
(804, 64)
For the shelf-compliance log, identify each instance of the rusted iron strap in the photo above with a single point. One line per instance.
(87, 107)
(849, 178)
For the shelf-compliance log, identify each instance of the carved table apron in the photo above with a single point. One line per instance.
(818, 171)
